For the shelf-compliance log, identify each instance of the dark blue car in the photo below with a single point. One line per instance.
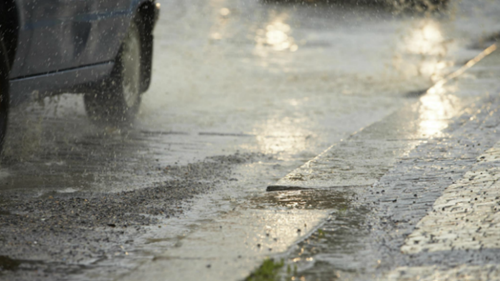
(102, 48)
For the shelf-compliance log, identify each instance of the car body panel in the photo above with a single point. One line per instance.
(55, 35)
(109, 22)
(63, 34)
(37, 86)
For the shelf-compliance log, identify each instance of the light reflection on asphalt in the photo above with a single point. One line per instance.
(436, 110)
(425, 50)
(278, 136)
(275, 35)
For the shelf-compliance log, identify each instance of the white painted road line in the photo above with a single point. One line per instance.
(434, 273)
(467, 215)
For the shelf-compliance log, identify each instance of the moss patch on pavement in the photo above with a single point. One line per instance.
(268, 271)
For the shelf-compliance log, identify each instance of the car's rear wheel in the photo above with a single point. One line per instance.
(4, 93)
(118, 102)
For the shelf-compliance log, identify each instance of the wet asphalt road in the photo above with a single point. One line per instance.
(243, 93)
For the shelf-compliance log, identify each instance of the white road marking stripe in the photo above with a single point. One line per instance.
(433, 273)
(467, 215)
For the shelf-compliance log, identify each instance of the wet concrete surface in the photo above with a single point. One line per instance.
(242, 94)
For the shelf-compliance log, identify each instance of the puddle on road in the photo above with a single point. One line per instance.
(337, 248)
(305, 199)
(333, 243)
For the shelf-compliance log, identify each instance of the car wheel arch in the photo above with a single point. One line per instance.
(4, 93)
(9, 27)
(146, 12)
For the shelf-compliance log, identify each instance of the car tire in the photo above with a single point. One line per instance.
(118, 101)
(4, 93)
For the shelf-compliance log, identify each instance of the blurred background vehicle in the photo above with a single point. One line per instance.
(396, 5)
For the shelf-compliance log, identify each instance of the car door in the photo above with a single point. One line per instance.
(109, 23)
(56, 32)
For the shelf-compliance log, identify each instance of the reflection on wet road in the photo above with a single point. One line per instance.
(243, 93)
(278, 73)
